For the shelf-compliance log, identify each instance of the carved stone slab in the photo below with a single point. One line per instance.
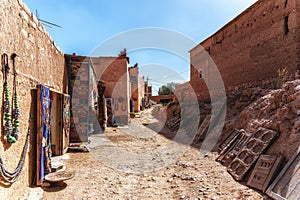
(174, 123)
(201, 133)
(287, 183)
(229, 139)
(233, 148)
(248, 155)
(264, 171)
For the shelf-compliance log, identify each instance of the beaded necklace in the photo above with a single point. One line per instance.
(11, 127)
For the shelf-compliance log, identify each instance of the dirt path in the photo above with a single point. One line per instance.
(134, 162)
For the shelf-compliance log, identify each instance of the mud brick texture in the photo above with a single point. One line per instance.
(39, 61)
(251, 47)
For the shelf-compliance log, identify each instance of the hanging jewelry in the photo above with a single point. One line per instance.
(11, 130)
(7, 115)
(16, 111)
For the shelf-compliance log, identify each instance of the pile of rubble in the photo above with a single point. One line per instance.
(279, 111)
(265, 138)
(239, 98)
(250, 109)
(186, 118)
(260, 137)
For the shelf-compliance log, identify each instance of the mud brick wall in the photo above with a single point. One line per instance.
(162, 98)
(188, 92)
(84, 93)
(137, 87)
(141, 89)
(114, 71)
(253, 46)
(134, 84)
(39, 61)
(80, 101)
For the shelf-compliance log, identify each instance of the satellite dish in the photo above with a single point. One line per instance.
(44, 22)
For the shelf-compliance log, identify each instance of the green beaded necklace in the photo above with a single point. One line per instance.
(11, 130)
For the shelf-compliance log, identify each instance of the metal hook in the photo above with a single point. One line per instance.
(5, 59)
(5, 65)
(13, 56)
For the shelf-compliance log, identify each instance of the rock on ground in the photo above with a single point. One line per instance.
(136, 163)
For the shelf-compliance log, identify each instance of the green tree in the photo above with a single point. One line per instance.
(164, 90)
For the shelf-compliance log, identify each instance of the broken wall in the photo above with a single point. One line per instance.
(39, 61)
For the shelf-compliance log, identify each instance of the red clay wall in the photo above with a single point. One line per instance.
(114, 71)
(162, 98)
(253, 46)
(134, 92)
(39, 61)
(137, 87)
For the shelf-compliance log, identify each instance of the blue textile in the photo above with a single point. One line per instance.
(45, 108)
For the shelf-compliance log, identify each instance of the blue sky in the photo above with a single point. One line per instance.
(86, 24)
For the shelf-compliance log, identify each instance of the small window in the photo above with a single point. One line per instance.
(133, 79)
(286, 25)
(201, 74)
(208, 50)
(286, 3)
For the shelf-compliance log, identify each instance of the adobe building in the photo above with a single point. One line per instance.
(137, 88)
(114, 72)
(39, 64)
(148, 94)
(250, 48)
(84, 73)
(142, 92)
(164, 99)
(83, 91)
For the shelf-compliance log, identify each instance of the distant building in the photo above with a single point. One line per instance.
(163, 99)
(148, 94)
(137, 89)
(84, 73)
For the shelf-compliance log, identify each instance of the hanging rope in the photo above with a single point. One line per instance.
(11, 177)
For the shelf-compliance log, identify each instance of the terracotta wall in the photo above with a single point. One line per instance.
(134, 86)
(39, 61)
(114, 71)
(186, 93)
(141, 89)
(81, 88)
(162, 98)
(253, 46)
(137, 87)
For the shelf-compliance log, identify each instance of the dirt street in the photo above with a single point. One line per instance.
(135, 162)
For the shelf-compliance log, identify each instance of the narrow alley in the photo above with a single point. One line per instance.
(137, 163)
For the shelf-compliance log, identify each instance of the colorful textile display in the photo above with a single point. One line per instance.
(45, 158)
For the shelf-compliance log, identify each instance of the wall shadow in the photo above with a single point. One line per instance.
(33, 133)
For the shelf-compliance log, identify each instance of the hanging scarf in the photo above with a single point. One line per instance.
(46, 143)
